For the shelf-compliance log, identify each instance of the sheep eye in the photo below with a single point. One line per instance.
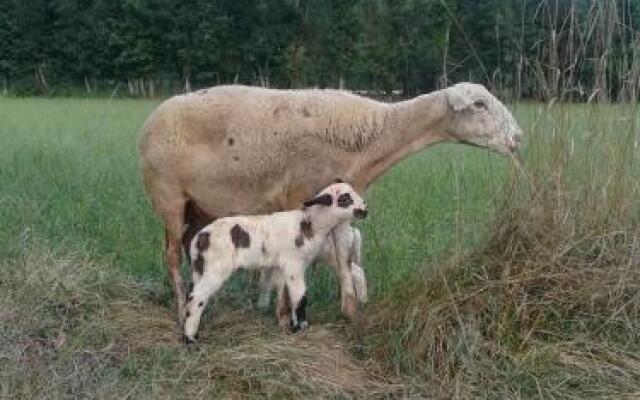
(480, 104)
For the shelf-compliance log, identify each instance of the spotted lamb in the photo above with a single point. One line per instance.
(286, 241)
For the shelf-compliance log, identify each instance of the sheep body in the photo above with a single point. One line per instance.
(237, 150)
(286, 242)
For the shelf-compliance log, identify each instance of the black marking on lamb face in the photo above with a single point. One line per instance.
(201, 304)
(231, 141)
(345, 200)
(188, 314)
(306, 228)
(325, 200)
(189, 297)
(198, 264)
(299, 241)
(239, 237)
(263, 249)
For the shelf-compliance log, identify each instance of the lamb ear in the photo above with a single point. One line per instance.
(457, 98)
(324, 200)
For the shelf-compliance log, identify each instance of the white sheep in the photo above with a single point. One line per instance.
(237, 150)
(286, 241)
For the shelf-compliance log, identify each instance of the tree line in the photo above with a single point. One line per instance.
(541, 49)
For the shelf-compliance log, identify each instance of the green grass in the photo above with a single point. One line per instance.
(68, 174)
(485, 283)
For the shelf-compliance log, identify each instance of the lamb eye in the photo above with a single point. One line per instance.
(345, 200)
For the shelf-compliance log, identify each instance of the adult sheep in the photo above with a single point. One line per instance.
(238, 150)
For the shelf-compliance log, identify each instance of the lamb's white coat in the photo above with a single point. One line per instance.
(286, 242)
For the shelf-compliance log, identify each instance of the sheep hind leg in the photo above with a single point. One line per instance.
(173, 217)
(357, 272)
(359, 283)
(339, 262)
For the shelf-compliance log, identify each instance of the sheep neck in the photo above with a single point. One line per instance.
(410, 126)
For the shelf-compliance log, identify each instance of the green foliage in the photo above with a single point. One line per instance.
(545, 48)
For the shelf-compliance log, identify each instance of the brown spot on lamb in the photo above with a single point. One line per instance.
(239, 237)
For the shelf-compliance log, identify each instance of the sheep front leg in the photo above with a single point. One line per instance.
(359, 283)
(173, 259)
(357, 273)
(203, 289)
(298, 295)
(340, 264)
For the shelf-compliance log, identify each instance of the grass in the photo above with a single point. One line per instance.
(485, 283)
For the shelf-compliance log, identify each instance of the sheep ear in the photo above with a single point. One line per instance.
(457, 99)
(324, 200)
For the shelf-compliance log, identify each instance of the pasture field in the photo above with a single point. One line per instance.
(486, 281)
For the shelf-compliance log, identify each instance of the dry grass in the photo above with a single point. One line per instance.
(548, 307)
(73, 328)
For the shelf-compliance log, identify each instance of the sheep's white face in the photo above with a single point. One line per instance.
(480, 119)
(344, 202)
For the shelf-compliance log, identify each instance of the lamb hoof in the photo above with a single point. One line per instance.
(188, 340)
(302, 326)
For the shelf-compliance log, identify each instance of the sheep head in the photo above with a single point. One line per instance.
(479, 118)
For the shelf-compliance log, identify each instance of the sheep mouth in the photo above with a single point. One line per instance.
(359, 213)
